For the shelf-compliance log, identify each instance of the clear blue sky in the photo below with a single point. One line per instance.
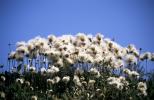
(128, 21)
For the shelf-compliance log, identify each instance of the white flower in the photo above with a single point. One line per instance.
(123, 80)
(59, 63)
(131, 73)
(91, 82)
(50, 81)
(31, 88)
(95, 72)
(132, 49)
(53, 54)
(127, 71)
(43, 70)
(134, 73)
(3, 78)
(56, 69)
(27, 83)
(49, 91)
(22, 49)
(69, 61)
(82, 57)
(131, 59)
(142, 87)
(118, 63)
(54, 80)
(57, 79)
(65, 38)
(79, 71)
(51, 38)
(34, 97)
(49, 71)
(19, 80)
(76, 80)
(90, 59)
(53, 70)
(152, 57)
(99, 36)
(146, 55)
(98, 59)
(119, 83)
(12, 55)
(66, 79)
(81, 37)
(32, 69)
(2, 95)
(98, 75)
(21, 43)
(115, 82)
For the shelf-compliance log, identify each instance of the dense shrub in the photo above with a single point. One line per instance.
(76, 67)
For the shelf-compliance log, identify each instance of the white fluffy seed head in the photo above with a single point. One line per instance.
(32, 69)
(131, 59)
(34, 97)
(66, 79)
(3, 78)
(142, 87)
(20, 80)
(43, 70)
(146, 56)
(52, 70)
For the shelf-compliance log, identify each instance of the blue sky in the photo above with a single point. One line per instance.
(128, 21)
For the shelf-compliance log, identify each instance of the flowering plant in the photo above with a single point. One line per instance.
(76, 67)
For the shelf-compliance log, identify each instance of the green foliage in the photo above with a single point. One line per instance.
(44, 91)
